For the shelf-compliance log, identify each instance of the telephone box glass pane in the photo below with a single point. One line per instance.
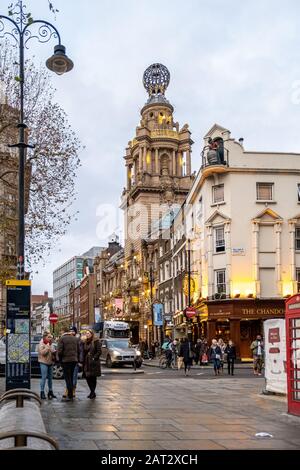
(295, 357)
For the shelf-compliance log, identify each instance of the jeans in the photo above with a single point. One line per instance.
(217, 364)
(47, 374)
(68, 368)
(75, 375)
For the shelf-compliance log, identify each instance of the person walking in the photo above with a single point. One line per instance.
(215, 356)
(222, 347)
(257, 348)
(198, 351)
(203, 352)
(230, 351)
(68, 354)
(46, 359)
(90, 360)
(186, 351)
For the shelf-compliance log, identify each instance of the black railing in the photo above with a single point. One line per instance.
(215, 156)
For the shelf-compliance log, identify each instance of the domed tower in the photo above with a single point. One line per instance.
(158, 163)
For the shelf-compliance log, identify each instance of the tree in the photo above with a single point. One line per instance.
(51, 165)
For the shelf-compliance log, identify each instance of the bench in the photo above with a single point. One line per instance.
(21, 423)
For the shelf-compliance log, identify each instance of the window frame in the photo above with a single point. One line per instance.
(217, 290)
(213, 193)
(258, 185)
(297, 228)
(217, 249)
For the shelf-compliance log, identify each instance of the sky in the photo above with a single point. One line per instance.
(232, 63)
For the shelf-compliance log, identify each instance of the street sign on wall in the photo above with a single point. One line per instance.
(18, 328)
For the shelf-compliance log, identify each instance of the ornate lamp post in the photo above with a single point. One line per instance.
(21, 31)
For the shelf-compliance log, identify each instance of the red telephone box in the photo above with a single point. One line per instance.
(292, 316)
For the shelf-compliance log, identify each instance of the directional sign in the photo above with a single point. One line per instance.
(18, 334)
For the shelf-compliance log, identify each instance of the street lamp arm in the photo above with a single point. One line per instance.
(45, 32)
(16, 28)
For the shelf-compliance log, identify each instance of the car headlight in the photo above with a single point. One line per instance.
(116, 353)
(138, 353)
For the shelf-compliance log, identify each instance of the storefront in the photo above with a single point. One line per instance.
(241, 320)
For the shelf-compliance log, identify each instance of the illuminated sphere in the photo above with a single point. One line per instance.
(156, 79)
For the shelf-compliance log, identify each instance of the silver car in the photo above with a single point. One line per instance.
(119, 351)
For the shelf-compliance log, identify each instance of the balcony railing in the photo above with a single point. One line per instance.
(218, 156)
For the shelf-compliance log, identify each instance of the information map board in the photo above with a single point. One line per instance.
(18, 334)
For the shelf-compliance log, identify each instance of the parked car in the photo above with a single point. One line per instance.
(119, 351)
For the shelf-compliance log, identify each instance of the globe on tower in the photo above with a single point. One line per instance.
(156, 79)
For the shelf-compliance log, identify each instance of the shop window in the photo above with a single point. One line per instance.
(219, 240)
(218, 193)
(264, 191)
(220, 281)
(297, 239)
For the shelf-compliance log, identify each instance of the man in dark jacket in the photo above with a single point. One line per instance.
(68, 354)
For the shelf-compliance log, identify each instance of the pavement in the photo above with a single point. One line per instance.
(241, 365)
(185, 413)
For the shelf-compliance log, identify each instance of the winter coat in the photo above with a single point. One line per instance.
(231, 352)
(186, 351)
(215, 351)
(68, 348)
(204, 348)
(46, 353)
(90, 358)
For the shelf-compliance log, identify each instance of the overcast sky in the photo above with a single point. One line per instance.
(231, 62)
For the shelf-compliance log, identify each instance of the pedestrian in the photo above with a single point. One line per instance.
(215, 355)
(257, 348)
(198, 350)
(90, 360)
(180, 358)
(73, 331)
(187, 352)
(68, 353)
(222, 347)
(203, 352)
(230, 351)
(46, 359)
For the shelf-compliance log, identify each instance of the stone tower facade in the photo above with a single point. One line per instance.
(158, 168)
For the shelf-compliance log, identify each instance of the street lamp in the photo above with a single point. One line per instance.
(20, 31)
(151, 296)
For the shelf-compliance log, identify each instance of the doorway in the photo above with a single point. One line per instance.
(249, 329)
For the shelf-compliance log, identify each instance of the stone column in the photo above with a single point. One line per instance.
(141, 159)
(145, 158)
(156, 162)
(174, 163)
(188, 163)
(128, 176)
(277, 228)
(179, 164)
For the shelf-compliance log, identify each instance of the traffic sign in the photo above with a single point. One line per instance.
(190, 312)
(53, 318)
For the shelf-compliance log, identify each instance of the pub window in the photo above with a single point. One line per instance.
(219, 240)
(298, 279)
(220, 281)
(297, 238)
(264, 191)
(218, 193)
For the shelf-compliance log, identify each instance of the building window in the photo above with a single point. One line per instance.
(218, 193)
(220, 281)
(298, 279)
(264, 191)
(297, 238)
(219, 240)
(200, 209)
(298, 191)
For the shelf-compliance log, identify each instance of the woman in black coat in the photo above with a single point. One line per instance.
(231, 356)
(186, 351)
(90, 359)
